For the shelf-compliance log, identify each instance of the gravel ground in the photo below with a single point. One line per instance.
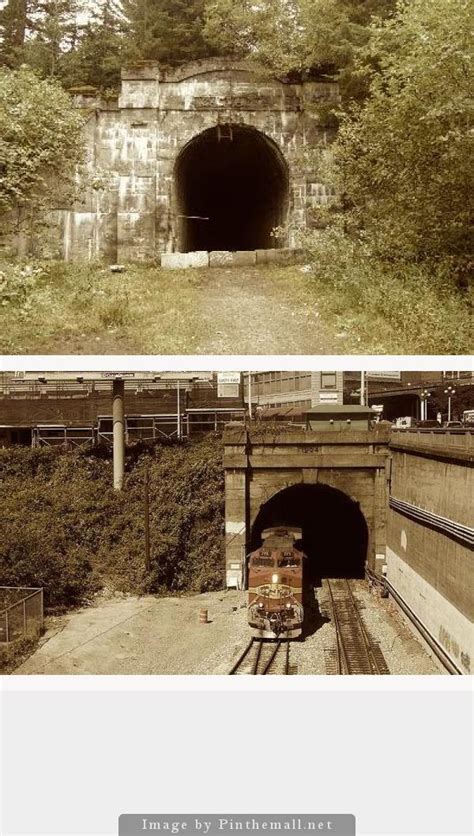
(149, 635)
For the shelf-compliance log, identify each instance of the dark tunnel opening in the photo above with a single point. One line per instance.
(232, 190)
(335, 533)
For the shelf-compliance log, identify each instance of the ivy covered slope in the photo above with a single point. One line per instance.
(65, 528)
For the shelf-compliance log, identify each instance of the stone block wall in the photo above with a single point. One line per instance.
(257, 468)
(128, 203)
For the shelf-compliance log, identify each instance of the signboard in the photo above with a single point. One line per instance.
(117, 374)
(224, 378)
(383, 375)
(328, 397)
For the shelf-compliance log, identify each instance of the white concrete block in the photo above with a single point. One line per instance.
(181, 261)
(200, 258)
(220, 258)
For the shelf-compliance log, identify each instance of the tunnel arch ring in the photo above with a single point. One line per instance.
(231, 189)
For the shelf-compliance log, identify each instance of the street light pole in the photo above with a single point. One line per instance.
(250, 395)
(450, 391)
(424, 395)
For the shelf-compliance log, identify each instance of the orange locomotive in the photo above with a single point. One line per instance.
(275, 582)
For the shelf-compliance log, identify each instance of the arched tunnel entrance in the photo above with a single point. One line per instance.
(231, 188)
(335, 533)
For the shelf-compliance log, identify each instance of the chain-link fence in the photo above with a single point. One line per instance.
(21, 613)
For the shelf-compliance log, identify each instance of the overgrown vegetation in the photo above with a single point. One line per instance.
(12, 655)
(394, 306)
(347, 301)
(41, 143)
(402, 161)
(64, 528)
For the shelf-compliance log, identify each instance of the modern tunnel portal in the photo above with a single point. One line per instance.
(231, 185)
(335, 534)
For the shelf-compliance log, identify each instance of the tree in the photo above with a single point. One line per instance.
(15, 18)
(404, 157)
(54, 33)
(170, 31)
(99, 53)
(322, 36)
(40, 145)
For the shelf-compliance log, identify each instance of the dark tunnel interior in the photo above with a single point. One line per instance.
(232, 191)
(335, 534)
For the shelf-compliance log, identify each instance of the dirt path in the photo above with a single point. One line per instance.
(259, 312)
(128, 635)
(146, 310)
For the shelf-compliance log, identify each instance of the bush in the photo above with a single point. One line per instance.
(67, 530)
(412, 307)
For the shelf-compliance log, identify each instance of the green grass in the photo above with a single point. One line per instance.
(341, 305)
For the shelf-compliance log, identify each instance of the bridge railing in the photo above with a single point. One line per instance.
(461, 439)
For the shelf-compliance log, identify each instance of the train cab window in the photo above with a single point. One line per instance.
(288, 561)
(262, 561)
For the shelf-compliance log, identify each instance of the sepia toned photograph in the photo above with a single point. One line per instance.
(211, 177)
(196, 197)
(236, 523)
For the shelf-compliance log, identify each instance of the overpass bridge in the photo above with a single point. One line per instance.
(392, 504)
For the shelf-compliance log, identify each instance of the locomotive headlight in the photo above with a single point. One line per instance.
(275, 578)
(288, 606)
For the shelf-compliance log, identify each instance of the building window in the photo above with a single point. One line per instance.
(328, 380)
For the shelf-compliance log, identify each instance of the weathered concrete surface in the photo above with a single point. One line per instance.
(283, 256)
(432, 570)
(181, 261)
(220, 258)
(130, 205)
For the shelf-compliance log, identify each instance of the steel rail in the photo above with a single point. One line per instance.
(342, 660)
(268, 664)
(257, 657)
(368, 644)
(241, 658)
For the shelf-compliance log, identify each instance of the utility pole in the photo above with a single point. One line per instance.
(362, 388)
(178, 409)
(118, 420)
(147, 521)
(250, 394)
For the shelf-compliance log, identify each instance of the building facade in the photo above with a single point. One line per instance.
(305, 389)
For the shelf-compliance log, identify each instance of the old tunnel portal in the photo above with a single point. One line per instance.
(231, 187)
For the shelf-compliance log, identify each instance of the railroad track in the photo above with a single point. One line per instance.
(355, 652)
(262, 657)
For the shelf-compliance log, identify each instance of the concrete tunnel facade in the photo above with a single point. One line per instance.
(332, 485)
(216, 138)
